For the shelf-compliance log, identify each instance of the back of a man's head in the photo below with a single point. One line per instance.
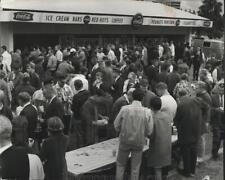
(5, 131)
(78, 84)
(161, 86)
(138, 94)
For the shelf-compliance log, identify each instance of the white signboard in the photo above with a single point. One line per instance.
(62, 18)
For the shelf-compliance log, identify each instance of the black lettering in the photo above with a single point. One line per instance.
(49, 18)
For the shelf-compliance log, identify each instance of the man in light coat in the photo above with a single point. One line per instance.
(134, 123)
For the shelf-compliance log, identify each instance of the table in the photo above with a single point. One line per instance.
(89, 158)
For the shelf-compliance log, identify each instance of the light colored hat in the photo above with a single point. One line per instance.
(73, 50)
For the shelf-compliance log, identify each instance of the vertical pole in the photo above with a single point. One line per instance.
(133, 39)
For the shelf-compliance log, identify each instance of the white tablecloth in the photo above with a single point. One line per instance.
(86, 159)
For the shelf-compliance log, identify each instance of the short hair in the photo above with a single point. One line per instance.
(5, 129)
(48, 80)
(184, 76)
(156, 103)
(24, 97)
(55, 124)
(26, 78)
(78, 84)
(161, 86)
(4, 47)
(31, 65)
(60, 76)
(144, 83)
(138, 94)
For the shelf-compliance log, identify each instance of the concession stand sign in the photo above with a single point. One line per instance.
(64, 18)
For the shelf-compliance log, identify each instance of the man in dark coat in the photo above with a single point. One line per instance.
(29, 112)
(78, 101)
(152, 73)
(124, 100)
(144, 85)
(117, 88)
(162, 77)
(172, 79)
(217, 117)
(15, 163)
(54, 107)
(34, 77)
(188, 121)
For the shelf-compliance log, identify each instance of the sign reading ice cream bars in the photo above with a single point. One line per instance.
(84, 19)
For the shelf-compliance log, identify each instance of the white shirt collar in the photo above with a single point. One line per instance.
(52, 99)
(137, 103)
(117, 78)
(2, 149)
(25, 105)
(126, 97)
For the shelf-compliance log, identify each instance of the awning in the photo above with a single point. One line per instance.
(105, 12)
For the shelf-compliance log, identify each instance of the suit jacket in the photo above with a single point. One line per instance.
(116, 108)
(14, 163)
(162, 77)
(55, 108)
(118, 88)
(172, 80)
(78, 100)
(152, 74)
(188, 119)
(32, 117)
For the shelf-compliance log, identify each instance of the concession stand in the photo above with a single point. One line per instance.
(70, 22)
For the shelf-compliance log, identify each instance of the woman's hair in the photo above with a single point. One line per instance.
(55, 125)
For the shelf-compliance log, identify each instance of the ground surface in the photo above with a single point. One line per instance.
(214, 169)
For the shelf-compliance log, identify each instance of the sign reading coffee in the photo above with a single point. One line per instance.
(23, 16)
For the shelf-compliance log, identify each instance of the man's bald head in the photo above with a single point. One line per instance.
(5, 130)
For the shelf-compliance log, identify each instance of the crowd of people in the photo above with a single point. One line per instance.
(57, 99)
